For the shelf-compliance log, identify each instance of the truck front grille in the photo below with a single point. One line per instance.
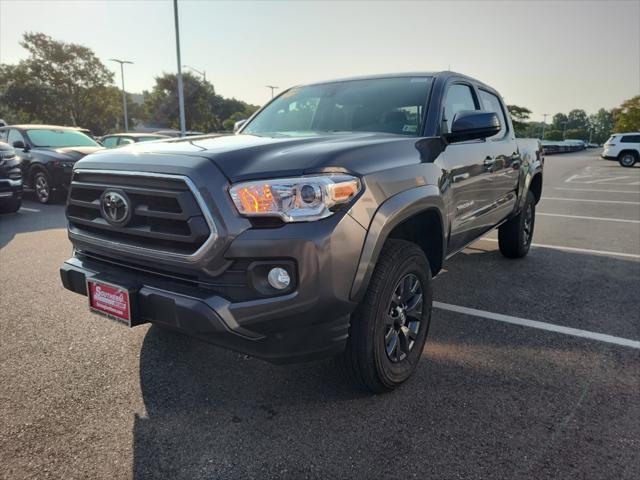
(165, 213)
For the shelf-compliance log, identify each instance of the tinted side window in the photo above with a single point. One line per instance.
(631, 139)
(14, 136)
(459, 98)
(491, 103)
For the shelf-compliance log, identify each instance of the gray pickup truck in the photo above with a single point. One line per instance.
(316, 229)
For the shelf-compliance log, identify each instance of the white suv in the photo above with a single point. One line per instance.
(624, 147)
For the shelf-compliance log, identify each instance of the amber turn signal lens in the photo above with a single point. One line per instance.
(341, 192)
(256, 199)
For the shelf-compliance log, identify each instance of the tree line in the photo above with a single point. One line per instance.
(67, 84)
(577, 124)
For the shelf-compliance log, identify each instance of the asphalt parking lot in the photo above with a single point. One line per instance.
(536, 376)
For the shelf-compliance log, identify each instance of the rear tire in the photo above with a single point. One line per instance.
(389, 328)
(627, 159)
(10, 206)
(514, 236)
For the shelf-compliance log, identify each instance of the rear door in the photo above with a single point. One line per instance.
(465, 163)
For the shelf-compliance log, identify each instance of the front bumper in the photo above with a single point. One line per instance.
(310, 322)
(10, 189)
(61, 175)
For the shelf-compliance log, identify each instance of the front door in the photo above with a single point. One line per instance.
(469, 170)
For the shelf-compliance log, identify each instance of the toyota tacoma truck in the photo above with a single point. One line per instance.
(316, 229)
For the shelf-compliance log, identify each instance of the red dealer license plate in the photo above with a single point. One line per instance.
(110, 300)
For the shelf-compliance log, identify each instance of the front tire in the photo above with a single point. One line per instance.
(389, 328)
(627, 159)
(514, 236)
(42, 187)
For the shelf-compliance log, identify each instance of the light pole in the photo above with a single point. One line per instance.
(564, 130)
(202, 73)
(272, 87)
(124, 94)
(180, 87)
(544, 123)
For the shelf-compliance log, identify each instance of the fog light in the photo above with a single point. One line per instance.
(278, 278)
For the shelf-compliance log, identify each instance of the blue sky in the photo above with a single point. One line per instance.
(548, 56)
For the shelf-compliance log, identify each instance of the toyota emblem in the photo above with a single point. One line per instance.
(115, 207)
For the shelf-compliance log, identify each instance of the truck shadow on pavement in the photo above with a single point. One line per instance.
(486, 393)
(32, 217)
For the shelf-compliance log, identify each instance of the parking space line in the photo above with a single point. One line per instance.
(589, 200)
(605, 180)
(27, 209)
(551, 327)
(581, 217)
(577, 250)
(637, 192)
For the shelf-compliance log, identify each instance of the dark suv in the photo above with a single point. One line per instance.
(316, 230)
(48, 154)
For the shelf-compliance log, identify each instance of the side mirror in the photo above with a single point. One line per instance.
(473, 125)
(239, 124)
(19, 145)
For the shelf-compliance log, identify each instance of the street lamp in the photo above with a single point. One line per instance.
(544, 123)
(272, 87)
(180, 87)
(124, 94)
(564, 130)
(202, 73)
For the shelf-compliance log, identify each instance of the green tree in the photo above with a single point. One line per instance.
(601, 124)
(577, 119)
(161, 104)
(577, 134)
(553, 135)
(559, 119)
(61, 83)
(204, 109)
(519, 117)
(627, 116)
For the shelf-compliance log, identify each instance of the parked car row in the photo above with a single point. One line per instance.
(47, 154)
(41, 158)
(564, 146)
(121, 139)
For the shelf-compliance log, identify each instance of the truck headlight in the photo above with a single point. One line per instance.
(299, 199)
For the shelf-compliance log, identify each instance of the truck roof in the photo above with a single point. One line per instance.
(444, 74)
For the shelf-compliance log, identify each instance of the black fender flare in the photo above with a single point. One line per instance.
(390, 214)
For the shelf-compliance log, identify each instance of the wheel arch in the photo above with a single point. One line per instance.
(633, 152)
(535, 186)
(415, 215)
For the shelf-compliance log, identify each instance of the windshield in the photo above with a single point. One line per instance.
(390, 105)
(45, 137)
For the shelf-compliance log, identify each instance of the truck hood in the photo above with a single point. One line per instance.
(248, 157)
